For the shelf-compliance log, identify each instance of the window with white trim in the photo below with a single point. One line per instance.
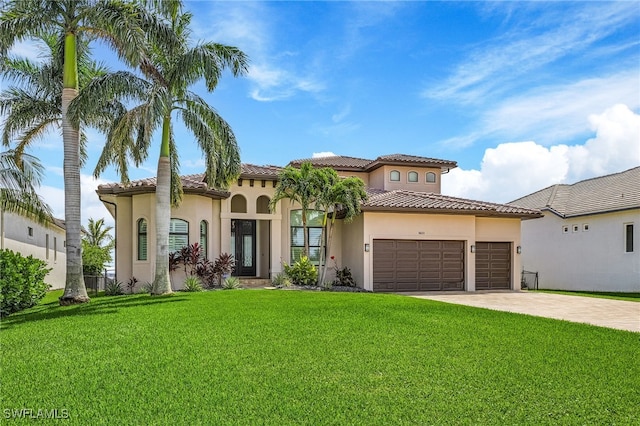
(431, 177)
(394, 176)
(412, 177)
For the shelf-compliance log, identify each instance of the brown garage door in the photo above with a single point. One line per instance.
(412, 265)
(493, 266)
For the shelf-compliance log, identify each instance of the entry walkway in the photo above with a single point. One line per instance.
(618, 314)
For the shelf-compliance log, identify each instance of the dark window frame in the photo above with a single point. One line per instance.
(204, 238)
(628, 237)
(142, 235)
(310, 228)
(174, 234)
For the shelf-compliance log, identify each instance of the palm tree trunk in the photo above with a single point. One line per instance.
(323, 248)
(162, 281)
(304, 231)
(329, 238)
(74, 290)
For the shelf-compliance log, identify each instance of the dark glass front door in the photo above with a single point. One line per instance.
(243, 247)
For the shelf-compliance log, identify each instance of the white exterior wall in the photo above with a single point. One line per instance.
(591, 260)
(15, 237)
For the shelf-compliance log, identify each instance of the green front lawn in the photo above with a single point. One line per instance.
(630, 297)
(291, 357)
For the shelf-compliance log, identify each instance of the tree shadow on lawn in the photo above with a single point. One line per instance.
(97, 306)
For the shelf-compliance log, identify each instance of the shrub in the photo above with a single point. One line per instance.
(302, 272)
(344, 277)
(22, 284)
(131, 284)
(114, 288)
(205, 270)
(94, 258)
(281, 280)
(231, 283)
(192, 284)
(147, 287)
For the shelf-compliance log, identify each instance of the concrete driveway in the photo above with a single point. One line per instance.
(610, 313)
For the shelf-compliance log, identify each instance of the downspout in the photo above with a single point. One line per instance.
(115, 230)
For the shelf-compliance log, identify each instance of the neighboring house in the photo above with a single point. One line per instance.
(588, 238)
(409, 237)
(46, 242)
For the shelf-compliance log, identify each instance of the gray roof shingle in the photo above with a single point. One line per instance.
(615, 192)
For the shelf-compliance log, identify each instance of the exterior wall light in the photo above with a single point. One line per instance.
(473, 248)
(519, 250)
(367, 247)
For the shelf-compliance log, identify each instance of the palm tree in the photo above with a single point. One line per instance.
(97, 233)
(300, 186)
(124, 26)
(17, 182)
(169, 72)
(340, 197)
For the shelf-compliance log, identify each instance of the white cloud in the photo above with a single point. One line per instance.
(252, 27)
(31, 49)
(515, 169)
(323, 154)
(342, 114)
(92, 207)
(553, 113)
(533, 44)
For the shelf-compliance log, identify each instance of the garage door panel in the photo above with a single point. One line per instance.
(418, 265)
(493, 265)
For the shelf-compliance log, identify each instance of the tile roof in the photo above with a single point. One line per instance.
(615, 192)
(191, 183)
(437, 203)
(260, 172)
(60, 223)
(340, 162)
(337, 161)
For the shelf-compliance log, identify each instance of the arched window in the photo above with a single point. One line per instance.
(394, 176)
(142, 239)
(431, 177)
(314, 233)
(178, 234)
(238, 204)
(412, 177)
(262, 204)
(204, 238)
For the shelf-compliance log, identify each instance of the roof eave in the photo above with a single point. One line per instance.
(148, 189)
(444, 166)
(477, 213)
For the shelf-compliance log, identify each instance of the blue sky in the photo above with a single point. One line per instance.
(521, 94)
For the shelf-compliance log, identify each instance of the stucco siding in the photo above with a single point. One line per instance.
(592, 259)
(380, 178)
(352, 247)
(16, 238)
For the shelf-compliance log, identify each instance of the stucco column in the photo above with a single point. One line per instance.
(225, 235)
(276, 247)
(470, 266)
